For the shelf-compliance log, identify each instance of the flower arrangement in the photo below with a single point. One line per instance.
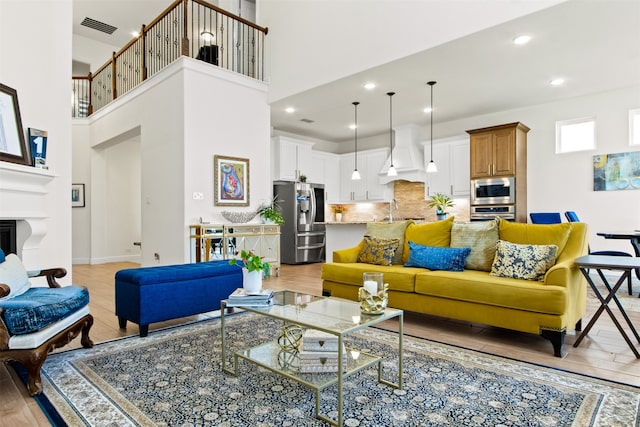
(339, 208)
(251, 262)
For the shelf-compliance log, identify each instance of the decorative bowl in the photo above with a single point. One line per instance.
(238, 217)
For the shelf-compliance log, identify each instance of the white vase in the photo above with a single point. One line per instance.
(338, 217)
(251, 281)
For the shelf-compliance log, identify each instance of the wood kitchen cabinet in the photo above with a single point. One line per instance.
(498, 150)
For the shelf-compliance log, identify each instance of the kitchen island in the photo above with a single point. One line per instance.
(341, 235)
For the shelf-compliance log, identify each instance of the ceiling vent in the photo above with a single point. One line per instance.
(97, 25)
(307, 120)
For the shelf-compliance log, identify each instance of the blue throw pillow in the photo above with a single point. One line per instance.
(437, 258)
(2, 257)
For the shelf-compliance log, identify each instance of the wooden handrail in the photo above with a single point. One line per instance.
(265, 30)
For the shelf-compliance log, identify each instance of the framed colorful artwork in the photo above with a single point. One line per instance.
(77, 195)
(13, 147)
(230, 181)
(616, 171)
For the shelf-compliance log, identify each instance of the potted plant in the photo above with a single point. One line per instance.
(303, 178)
(253, 268)
(441, 202)
(338, 209)
(270, 213)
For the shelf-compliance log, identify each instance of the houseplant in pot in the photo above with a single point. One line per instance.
(270, 213)
(253, 268)
(440, 202)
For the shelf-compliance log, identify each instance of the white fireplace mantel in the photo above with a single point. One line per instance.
(23, 197)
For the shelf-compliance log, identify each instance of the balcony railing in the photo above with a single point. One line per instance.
(187, 27)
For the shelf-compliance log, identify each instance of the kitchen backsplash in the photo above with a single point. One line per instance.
(411, 205)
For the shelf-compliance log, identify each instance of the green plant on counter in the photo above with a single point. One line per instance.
(270, 213)
(251, 262)
(440, 202)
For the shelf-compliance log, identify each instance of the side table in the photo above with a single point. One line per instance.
(600, 263)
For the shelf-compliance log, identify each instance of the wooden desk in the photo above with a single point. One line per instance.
(632, 236)
(600, 263)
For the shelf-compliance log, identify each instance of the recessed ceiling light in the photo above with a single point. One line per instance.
(427, 110)
(523, 39)
(135, 33)
(290, 110)
(369, 85)
(556, 82)
(352, 126)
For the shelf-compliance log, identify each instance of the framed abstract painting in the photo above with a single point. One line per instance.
(230, 181)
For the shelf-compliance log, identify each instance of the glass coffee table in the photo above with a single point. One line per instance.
(330, 315)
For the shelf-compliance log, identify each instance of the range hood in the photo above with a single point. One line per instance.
(408, 157)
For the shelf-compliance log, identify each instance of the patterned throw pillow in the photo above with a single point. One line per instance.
(481, 237)
(528, 262)
(436, 257)
(390, 230)
(378, 251)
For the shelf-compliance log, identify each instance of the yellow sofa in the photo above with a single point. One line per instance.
(548, 307)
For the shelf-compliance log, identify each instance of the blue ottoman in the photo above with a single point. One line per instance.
(155, 294)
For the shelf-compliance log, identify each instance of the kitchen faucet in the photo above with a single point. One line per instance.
(392, 202)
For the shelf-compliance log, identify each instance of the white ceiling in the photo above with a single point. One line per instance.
(593, 44)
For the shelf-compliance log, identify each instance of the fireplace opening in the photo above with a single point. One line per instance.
(8, 236)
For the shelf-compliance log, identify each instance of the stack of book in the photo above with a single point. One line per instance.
(240, 297)
(319, 352)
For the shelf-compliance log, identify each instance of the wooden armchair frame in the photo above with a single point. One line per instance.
(33, 358)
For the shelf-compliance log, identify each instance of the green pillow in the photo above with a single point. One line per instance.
(481, 237)
(528, 262)
(390, 230)
(378, 251)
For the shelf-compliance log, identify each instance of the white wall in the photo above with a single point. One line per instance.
(39, 68)
(92, 52)
(368, 33)
(182, 116)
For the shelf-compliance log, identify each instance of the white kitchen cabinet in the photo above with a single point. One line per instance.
(325, 169)
(368, 188)
(452, 159)
(291, 158)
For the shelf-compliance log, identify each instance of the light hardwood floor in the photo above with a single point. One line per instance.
(602, 354)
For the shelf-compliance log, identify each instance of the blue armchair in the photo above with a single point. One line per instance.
(36, 320)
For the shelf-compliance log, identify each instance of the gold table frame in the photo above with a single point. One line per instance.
(335, 316)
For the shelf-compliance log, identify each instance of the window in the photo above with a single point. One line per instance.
(634, 127)
(576, 135)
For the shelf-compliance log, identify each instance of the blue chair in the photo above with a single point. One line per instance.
(545, 217)
(573, 217)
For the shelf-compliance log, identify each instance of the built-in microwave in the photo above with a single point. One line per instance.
(493, 191)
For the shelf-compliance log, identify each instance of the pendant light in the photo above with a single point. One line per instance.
(356, 175)
(431, 167)
(392, 169)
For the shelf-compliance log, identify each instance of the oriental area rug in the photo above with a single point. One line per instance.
(173, 378)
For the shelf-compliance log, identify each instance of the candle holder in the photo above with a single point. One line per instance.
(373, 295)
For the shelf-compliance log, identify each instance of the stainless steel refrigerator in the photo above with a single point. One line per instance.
(302, 238)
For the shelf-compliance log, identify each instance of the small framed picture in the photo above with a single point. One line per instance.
(230, 181)
(38, 147)
(77, 195)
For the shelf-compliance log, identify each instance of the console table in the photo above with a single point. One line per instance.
(223, 241)
(603, 262)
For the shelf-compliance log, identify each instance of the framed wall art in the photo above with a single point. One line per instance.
(13, 147)
(617, 171)
(230, 181)
(77, 195)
